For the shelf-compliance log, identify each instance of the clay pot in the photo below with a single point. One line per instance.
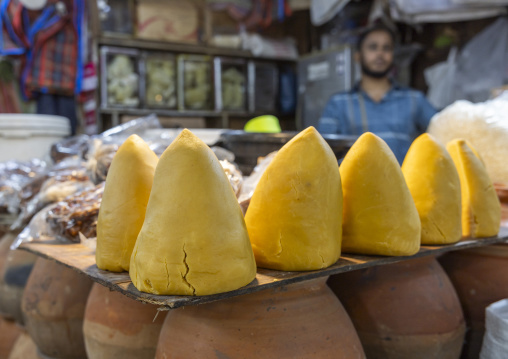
(403, 310)
(5, 243)
(116, 326)
(53, 307)
(13, 277)
(9, 333)
(480, 277)
(302, 320)
(24, 348)
(502, 193)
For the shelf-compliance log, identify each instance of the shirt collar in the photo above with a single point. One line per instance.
(395, 86)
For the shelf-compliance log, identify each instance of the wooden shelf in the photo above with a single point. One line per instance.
(82, 259)
(160, 112)
(182, 48)
(186, 113)
(224, 117)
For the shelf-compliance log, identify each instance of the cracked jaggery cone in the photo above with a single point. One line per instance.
(295, 214)
(434, 183)
(380, 217)
(481, 210)
(123, 205)
(194, 240)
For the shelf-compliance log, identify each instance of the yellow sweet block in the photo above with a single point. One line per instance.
(481, 210)
(380, 217)
(434, 183)
(295, 214)
(194, 240)
(123, 205)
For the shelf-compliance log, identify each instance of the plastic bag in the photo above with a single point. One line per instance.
(103, 147)
(62, 180)
(250, 183)
(483, 62)
(485, 125)
(38, 230)
(495, 340)
(137, 126)
(322, 11)
(223, 154)
(99, 160)
(76, 147)
(417, 11)
(265, 47)
(76, 214)
(13, 176)
(441, 81)
(234, 176)
(73, 219)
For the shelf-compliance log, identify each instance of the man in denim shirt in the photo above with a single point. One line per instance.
(377, 104)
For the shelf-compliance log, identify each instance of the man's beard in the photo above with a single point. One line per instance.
(375, 74)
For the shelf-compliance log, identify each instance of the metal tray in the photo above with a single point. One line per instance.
(248, 146)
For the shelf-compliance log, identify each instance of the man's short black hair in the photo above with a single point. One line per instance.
(371, 29)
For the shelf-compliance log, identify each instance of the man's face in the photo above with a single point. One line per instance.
(376, 54)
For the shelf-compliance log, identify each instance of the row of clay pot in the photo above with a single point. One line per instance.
(24, 348)
(402, 310)
(15, 268)
(480, 277)
(9, 333)
(301, 320)
(407, 309)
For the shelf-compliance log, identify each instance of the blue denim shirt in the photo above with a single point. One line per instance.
(398, 118)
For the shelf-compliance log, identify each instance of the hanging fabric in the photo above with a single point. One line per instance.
(51, 45)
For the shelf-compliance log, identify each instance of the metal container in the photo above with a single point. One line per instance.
(120, 79)
(263, 86)
(159, 80)
(321, 75)
(248, 146)
(230, 84)
(195, 83)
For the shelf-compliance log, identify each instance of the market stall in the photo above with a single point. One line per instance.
(64, 235)
(236, 192)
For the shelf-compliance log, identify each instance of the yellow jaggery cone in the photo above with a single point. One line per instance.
(194, 240)
(123, 205)
(380, 217)
(481, 210)
(295, 214)
(434, 183)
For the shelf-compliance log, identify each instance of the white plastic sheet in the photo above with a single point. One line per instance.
(483, 62)
(481, 2)
(322, 11)
(471, 74)
(265, 47)
(417, 11)
(495, 341)
(441, 81)
(485, 125)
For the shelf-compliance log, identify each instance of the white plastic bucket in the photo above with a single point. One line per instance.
(27, 136)
(495, 341)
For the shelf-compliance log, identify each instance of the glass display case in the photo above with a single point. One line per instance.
(195, 82)
(230, 84)
(159, 80)
(263, 86)
(120, 80)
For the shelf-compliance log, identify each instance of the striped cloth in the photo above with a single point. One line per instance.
(50, 43)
